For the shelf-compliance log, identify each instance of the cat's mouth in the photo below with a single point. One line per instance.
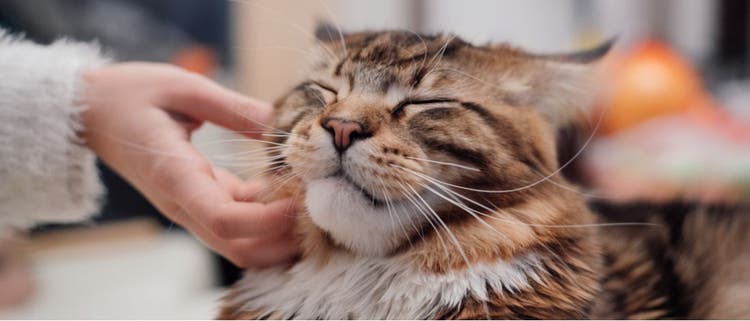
(343, 176)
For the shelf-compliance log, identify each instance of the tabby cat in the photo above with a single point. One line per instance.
(432, 189)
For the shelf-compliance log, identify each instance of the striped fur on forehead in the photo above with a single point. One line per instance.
(396, 48)
(376, 60)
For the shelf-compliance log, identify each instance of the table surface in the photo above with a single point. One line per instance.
(165, 275)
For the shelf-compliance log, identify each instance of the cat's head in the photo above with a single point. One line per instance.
(394, 133)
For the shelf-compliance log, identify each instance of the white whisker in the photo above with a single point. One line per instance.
(445, 226)
(444, 163)
(240, 140)
(442, 186)
(422, 212)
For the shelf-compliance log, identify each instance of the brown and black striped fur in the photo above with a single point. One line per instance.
(497, 109)
(694, 264)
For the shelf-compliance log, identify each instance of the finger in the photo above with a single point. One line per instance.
(208, 203)
(242, 220)
(264, 252)
(276, 247)
(202, 99)
(215, 208)
(192, 184)
(255, 191)
(253, 252)
(241, 191)
(227, 180)
(252, 190)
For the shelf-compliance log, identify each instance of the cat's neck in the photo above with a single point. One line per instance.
(531, 226)
(555, 231)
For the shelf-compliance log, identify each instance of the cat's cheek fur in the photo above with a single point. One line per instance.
(311, 157)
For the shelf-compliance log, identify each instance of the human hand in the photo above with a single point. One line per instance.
(16, 278)
(139, 122)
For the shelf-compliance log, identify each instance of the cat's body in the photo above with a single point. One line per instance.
(428, 168)
(694, 265)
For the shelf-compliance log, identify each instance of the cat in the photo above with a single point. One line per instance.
(432, 190)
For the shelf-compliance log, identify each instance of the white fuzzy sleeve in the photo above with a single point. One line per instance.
(46, 174)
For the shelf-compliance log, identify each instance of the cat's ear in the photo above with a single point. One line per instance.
(562, 86)
(588, 56)
(330, 43)
(327, 32)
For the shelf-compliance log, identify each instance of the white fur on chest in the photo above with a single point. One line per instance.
(375, 288)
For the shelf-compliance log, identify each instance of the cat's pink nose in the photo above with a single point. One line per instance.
(344, 132)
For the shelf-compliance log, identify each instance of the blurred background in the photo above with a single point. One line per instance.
(671, 120)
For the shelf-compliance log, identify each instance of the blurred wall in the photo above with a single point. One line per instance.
(535, 24)
(272, 37)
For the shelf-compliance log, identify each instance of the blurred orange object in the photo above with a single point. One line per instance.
(648, 81)
(198, 59)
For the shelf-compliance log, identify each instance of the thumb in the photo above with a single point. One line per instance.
(202, 99)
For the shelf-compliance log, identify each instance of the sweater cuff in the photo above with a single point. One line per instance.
(47, 173)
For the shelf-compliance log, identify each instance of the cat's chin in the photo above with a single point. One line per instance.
(355, 220)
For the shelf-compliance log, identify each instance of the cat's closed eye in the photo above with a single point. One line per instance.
(325, 93)
(413, 106)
